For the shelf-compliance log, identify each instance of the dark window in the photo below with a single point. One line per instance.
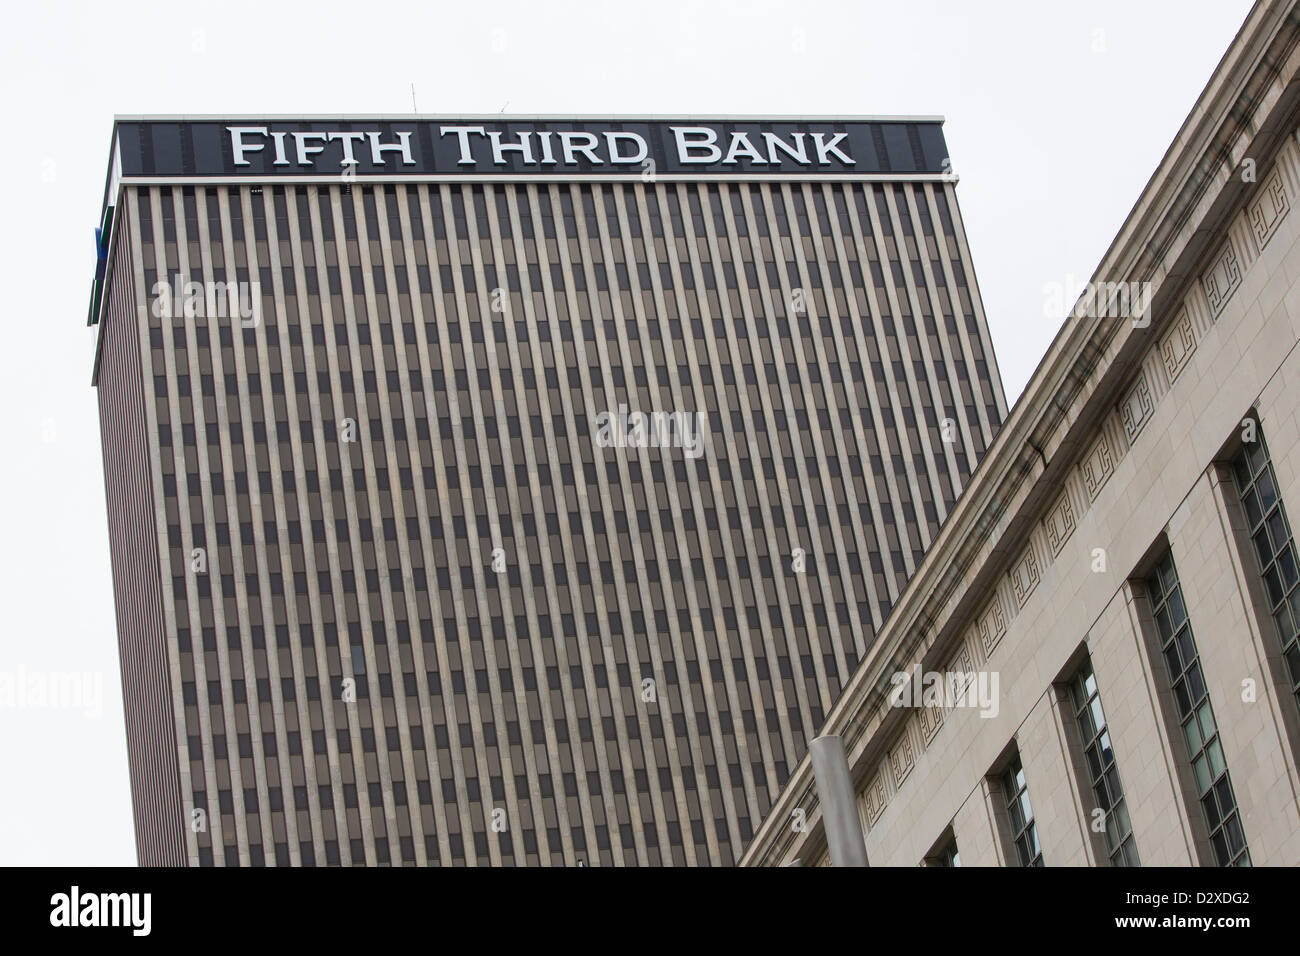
(1103, 775)
(1024, 831)
(1196, 716)
(1275, 550)
(947, 854)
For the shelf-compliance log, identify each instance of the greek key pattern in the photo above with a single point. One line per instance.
(1097, 467)
(874, 798)
(902, 759)
(1178, 345)
(931, 719)
(991, 626)
(961, 664)
(1025, 576)
(1136, 408)
(1268, 210)
(1222, 278)
(1060, 523)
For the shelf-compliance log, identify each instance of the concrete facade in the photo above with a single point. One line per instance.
(436, 621)
(1118, 454)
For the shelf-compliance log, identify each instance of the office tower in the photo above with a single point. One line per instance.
(515, 491)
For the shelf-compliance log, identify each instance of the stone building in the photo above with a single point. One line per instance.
(1114, 601)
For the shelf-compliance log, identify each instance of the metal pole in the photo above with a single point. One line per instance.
(838, 803)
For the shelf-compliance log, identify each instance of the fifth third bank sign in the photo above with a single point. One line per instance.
(515, 490)
(478, 147)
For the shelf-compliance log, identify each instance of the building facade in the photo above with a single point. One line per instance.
(515, 491)
(1097, 662)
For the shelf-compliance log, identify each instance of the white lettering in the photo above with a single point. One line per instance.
(239, 147)
(349, 158)
(403, 146)
(690, 138)
(463, 134)
(132, 910)
(741, 146)
(825, 149)
(524, 147)
(797, 152)
(548, 156)
(570, 141)
(613, 138)
(280, 158)
(300, 140)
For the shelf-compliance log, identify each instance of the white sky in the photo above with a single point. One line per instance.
(1057, 115)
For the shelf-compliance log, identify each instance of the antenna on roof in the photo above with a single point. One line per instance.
(414, 108)
(503, 108)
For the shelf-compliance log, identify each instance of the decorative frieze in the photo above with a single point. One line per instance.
(1097, 467)
(991, 625)
(874, 798)
(1222, 278)
(1024, 576)
(962, 672)
(1267, 211)
(1059, 523)
(931, 719)
(1178, 345)
(1136, 408)
(902, 759)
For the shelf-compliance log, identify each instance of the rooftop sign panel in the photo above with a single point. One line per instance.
(509, 147)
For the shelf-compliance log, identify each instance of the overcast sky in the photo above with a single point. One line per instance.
(1057, 114)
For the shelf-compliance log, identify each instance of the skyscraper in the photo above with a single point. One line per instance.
(515, 491)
